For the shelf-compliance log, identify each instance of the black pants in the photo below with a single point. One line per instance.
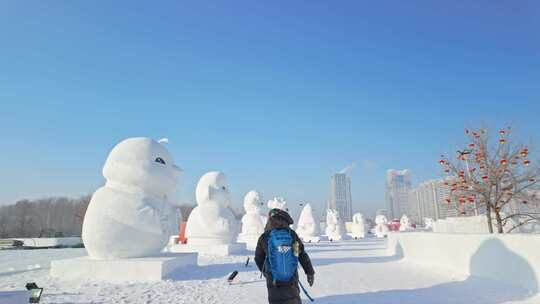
(283, 293)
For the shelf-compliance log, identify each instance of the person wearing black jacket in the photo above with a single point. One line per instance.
(282, 293)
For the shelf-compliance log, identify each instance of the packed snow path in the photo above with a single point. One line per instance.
(346, 272)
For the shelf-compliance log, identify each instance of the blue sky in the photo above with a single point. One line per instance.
(278, 95)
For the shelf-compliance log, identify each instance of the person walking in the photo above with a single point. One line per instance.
(278, 252)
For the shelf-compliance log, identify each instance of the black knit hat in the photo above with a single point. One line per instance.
(282, 214)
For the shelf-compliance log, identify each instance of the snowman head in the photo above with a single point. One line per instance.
(252, 201)
(404, 220)
(142, 163)
(277, 203)
(213, 186)
(358, 218)
(332, 217)
(381, 219)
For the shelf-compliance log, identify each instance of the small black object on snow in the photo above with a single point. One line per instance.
(232, 276)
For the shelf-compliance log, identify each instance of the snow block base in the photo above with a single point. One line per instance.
(149, 269)
(218, 249)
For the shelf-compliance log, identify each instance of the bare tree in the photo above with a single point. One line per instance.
(185, 210)
(45, 217)
(490, 176)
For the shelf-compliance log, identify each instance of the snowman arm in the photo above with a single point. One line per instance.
(149, 219)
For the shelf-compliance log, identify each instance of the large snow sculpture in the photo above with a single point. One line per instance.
(277, 203)
(381, 228)
(212, 222)
(252, 221)
(335, 229)
(405, 224)
(308, 227)
(358, 227)
(130, 216)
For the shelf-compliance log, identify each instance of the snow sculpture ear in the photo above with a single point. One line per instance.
(163, 141)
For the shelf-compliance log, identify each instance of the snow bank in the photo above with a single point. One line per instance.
(512, 259)
(468, 224)
(51, 242)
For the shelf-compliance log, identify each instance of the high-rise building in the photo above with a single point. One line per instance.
(340, 195)
(428, 200)
(398, 184)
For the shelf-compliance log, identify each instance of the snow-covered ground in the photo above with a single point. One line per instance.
(346, 272)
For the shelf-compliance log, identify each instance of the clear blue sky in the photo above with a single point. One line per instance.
(277, 94)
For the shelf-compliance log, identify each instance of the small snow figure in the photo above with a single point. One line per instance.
(335, 229)
(381, 228)
(212, 222)
(428, 223)
(280, 245)
(277, 203)
(252, 223)
(308, 228)
(405, 224)
(358, 226)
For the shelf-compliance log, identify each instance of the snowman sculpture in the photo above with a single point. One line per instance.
(405, 224)
(358, 226)
(335, 229)
(308, 228)
(212, 222)
(130, 216)
(252, 221)
(381, 228)
(277, 203)
(428, 223)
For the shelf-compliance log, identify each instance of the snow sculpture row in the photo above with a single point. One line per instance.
(131, 217)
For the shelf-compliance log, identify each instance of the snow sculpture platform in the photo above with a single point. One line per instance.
(148, 269)
(214, 249)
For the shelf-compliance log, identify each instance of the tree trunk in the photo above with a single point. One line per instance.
(499, 221)
(488, 215)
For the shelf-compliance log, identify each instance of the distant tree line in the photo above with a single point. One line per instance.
(45, 217)
(55, 217)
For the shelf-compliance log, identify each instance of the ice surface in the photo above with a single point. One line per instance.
(130, 216)
(358, 226)
(307, 227)
(347, 272)
(212, 222)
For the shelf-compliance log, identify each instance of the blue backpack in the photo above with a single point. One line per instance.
(281, 256)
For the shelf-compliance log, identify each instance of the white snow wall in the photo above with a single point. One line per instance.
(512, 258)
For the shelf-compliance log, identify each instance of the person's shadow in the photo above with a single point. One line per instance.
(491, 263)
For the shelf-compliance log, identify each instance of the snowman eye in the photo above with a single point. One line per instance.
(224, 188)
(160, 160)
